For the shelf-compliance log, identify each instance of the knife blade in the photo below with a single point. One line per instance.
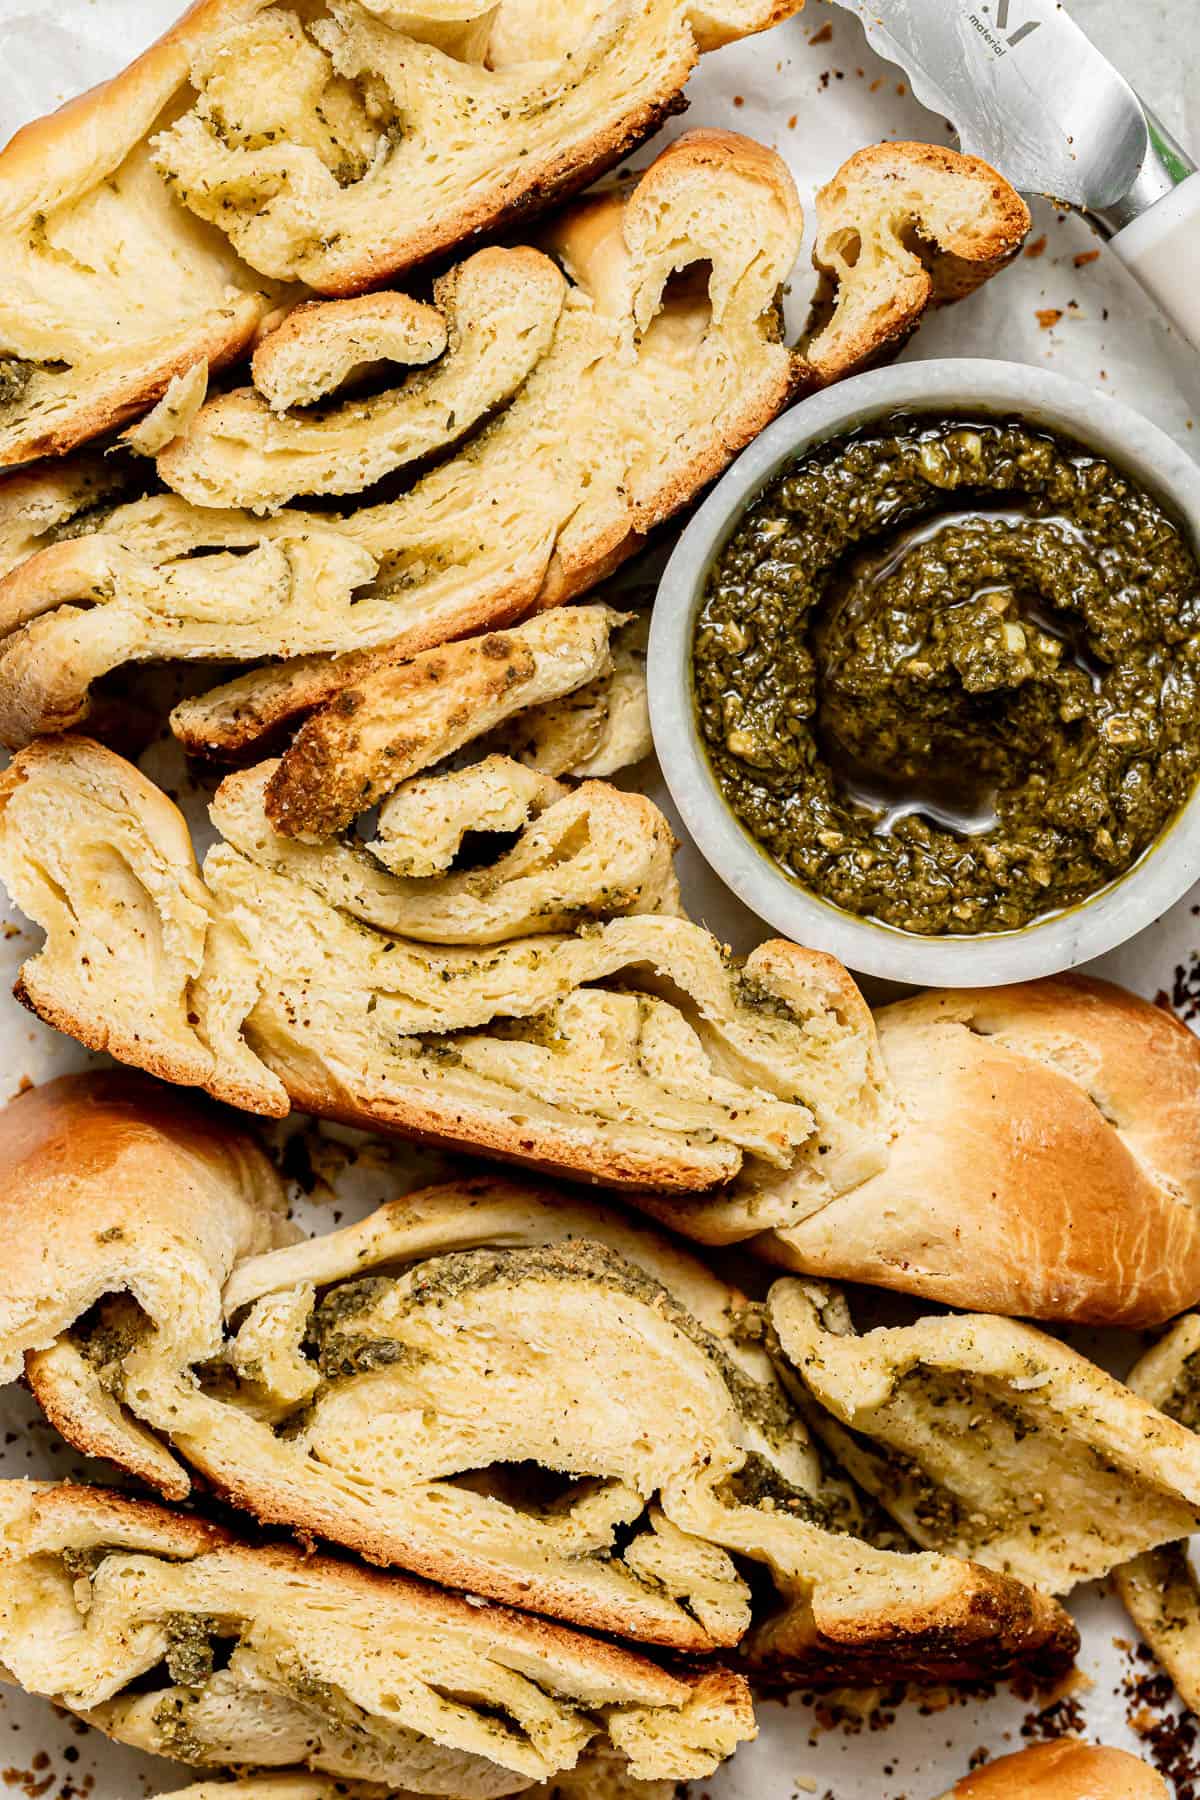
(1029, 92)
(1024, 88)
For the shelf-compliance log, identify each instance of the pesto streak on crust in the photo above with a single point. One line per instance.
(948, 673)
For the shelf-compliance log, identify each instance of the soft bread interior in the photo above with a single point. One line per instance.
(321, 347)
(595, 851)
(629, 1048)
(989, 1438)
(356, 1673)
(564, 482)
(495, 1386)
(109, 288)
(175, 413)
(610, 407)
(340, 142)
(338, 151)
(493, 323)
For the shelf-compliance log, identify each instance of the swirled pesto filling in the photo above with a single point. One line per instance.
(948, 673)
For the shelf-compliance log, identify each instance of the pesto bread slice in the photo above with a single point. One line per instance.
(1090, 1213)
(629, 1047)
(108, 288)
(340, 148)
(504, 1387)
(990, 1439)
(612, 401)
(492, 321)
(902, 228)
(336, 144)
(268, 1657)
(1159, 1588)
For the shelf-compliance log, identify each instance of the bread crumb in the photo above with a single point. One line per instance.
(1048, 316)
(1085, 257)
(823, 36)
(1037, 248)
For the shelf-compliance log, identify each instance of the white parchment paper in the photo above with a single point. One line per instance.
(815, 92)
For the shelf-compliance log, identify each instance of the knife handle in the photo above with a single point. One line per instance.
(1162, 249)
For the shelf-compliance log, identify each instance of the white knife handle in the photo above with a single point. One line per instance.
(1162, 248)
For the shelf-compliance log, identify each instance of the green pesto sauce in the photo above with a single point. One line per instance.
(1183, 1402)
(340, 1327)
(189, 1647)
(948, 674)
(15, 377)
(81, 1565)
(176, 1738)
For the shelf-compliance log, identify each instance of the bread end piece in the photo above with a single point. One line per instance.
(980, 1626)
(1091, 1215)
(900, 228)
(1063, 1770)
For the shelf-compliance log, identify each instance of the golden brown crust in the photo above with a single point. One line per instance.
(47, 161)
(95, 1157)
(967, 220)
(46, 153)
(558, 179)
(322, 1637)
(405, 717)
(1087, 1209)
(66, 1507)
(982, 1626)
(1064, 1770)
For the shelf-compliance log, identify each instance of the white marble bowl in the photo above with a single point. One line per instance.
(968, 387)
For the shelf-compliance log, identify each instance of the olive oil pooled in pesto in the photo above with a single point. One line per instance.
(948, 674)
